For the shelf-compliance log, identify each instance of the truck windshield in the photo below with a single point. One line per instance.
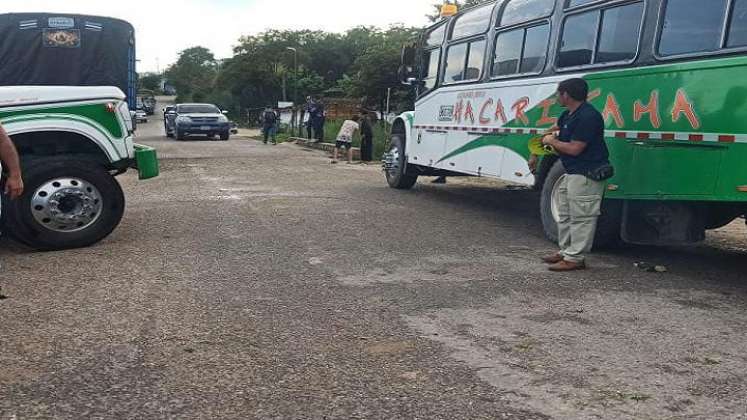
(199, 109)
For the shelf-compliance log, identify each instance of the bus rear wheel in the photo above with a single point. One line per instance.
(395, 165)
(610, 222)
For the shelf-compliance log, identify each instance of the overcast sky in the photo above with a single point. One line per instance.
(165, 27)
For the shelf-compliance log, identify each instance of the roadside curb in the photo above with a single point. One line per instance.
(327, 147)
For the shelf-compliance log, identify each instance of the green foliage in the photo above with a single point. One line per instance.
(361, 63)
(150, 81)
(194, 73)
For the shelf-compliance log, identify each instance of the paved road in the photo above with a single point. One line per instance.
(253, 281)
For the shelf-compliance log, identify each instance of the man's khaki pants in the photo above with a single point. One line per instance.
(580, 203)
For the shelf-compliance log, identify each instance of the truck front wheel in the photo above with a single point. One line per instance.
(68, 203)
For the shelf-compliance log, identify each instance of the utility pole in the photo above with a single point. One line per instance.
(295, 84)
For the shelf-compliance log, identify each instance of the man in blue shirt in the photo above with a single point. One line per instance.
(579, 141)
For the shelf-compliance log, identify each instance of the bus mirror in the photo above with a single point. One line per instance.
(411, 81)
(405, 74)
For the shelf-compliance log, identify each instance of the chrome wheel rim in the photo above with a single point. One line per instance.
(394, 161)
(66, 204)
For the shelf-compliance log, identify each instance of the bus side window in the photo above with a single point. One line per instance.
(690, 27)
(615, 41)
(738, 25)
(464, 62)
(431, 60)
(521, 51)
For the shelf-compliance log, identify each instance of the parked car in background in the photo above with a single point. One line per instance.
(148, 100)
(197, 119)
(141, 116)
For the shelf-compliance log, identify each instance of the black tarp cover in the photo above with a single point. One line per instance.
(68, 50)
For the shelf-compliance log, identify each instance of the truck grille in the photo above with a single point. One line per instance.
(203, 120)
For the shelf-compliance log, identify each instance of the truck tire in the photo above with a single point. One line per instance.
(608, 226)
(397, 175)
(179, 135)
(225, 135)
(67, 203)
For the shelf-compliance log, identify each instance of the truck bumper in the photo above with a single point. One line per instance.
(146, 162)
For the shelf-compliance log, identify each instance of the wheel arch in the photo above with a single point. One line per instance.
(61, 142)
(545, 165)
(69, 136)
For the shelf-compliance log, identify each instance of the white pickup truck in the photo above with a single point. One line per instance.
(72, 141)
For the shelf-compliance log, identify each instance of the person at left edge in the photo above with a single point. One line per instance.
(9, 157)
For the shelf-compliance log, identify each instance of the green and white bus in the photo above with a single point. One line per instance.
(669, 76)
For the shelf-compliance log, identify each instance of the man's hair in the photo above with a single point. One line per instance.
(577, 89)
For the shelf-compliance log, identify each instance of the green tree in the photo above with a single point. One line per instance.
(194, 73)
(150, 81)
(375, 71)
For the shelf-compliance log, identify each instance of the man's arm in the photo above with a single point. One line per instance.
(9, 156)
(572, 148)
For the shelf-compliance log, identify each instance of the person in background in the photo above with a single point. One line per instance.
(269, 124)
(345, 138)
(9, 157)
(366, 137)
(309, 110)
(319, 121)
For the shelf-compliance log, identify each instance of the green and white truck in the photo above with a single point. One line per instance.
(69, 87)
(72, 141)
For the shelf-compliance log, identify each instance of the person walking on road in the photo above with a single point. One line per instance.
(270, 124)
(345, 138)
(9, 157)
(366, 137)
(580, 144)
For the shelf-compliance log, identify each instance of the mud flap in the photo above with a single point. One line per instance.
(662, 223)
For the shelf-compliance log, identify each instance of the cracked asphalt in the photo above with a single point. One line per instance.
(261, 282)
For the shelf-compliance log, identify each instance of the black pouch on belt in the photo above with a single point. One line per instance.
(602, 173)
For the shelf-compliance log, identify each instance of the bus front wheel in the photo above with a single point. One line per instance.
(608, 227)
(395, 165)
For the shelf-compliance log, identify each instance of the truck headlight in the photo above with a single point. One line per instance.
(183, 119)
(223, 119)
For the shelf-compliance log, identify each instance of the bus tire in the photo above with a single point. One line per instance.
(68, 203)
(398, 177)
(608, 226)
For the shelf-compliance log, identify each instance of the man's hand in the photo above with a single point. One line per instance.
(9, 157)
(14, 187)
(549, 139)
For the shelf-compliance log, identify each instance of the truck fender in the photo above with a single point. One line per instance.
(85, 128)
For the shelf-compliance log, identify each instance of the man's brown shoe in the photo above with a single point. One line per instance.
(564, 265)
(552, 259)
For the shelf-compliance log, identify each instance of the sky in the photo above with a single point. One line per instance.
(163, 28)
